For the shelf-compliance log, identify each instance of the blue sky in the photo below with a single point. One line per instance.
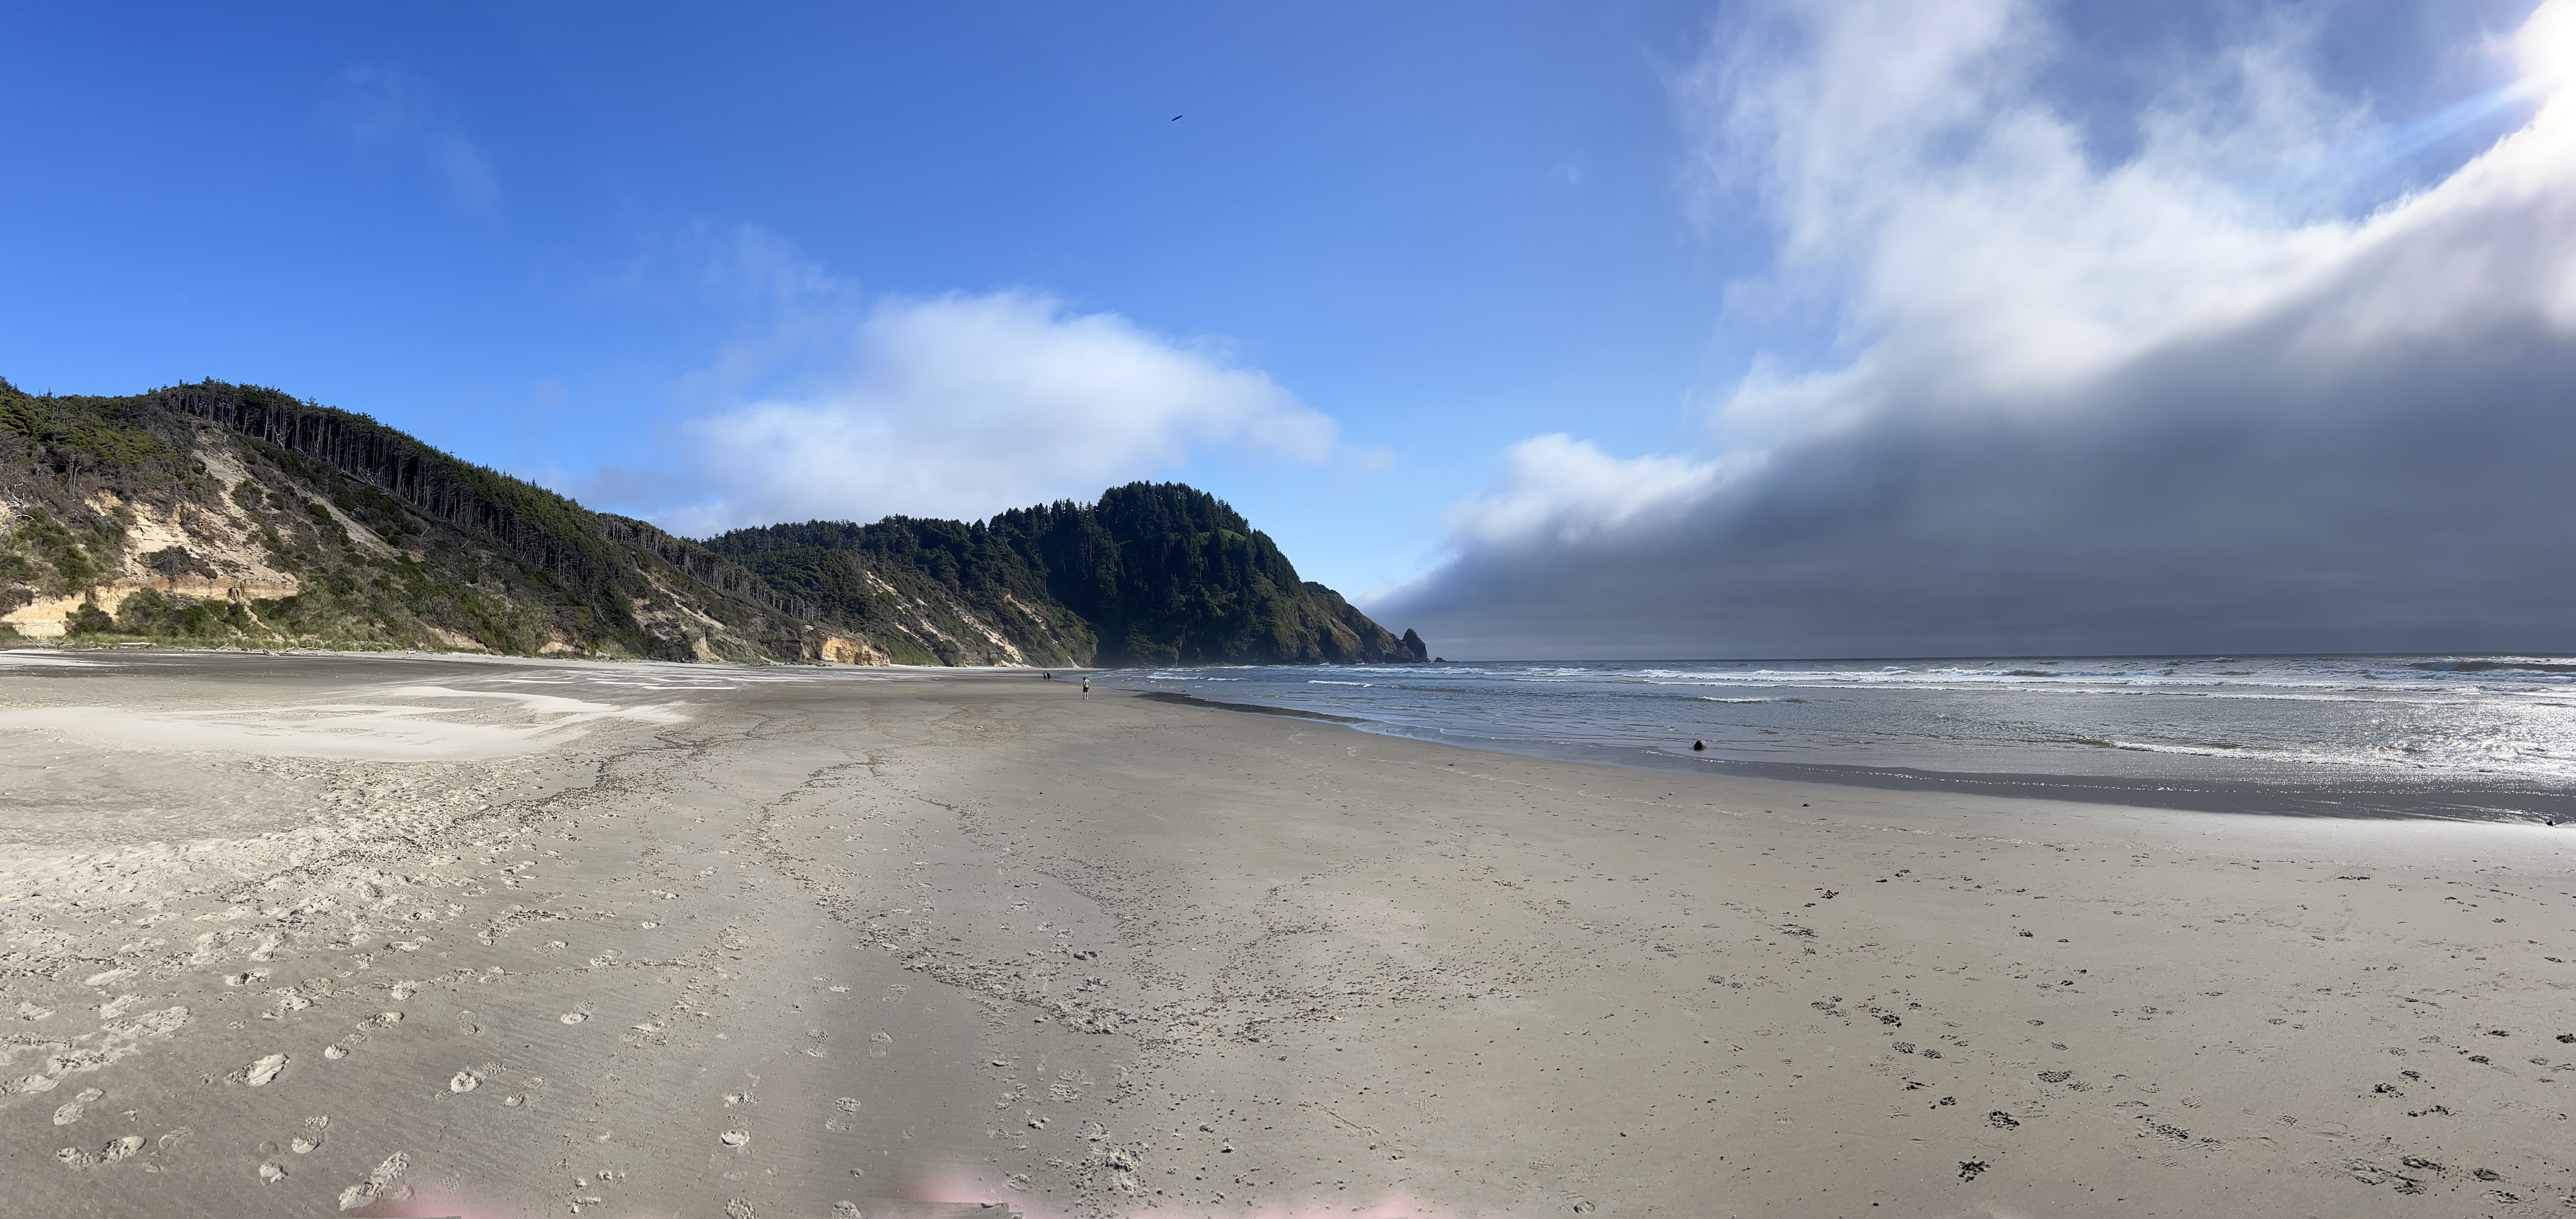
(718, 266)
(1441, 229)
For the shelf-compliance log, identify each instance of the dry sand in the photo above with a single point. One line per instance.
(314, 935)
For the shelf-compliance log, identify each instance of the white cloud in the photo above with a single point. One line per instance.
(2065, 376)
(963, 405)
(1981, 257)
(1560, 490)
(2545, 46)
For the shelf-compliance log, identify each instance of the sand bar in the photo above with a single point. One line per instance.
(314, 935)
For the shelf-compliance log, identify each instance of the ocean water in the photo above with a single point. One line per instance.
(2455, 736)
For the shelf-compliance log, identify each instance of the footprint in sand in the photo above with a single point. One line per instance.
(271, 1173)
(312, 1136)
(735, 1137)
(72, 1109)
(121, 1148)
(335, 1051)
(464, 1081)
(264, 1070)
(573, 1017)
(514, 1100)
(365, 1193)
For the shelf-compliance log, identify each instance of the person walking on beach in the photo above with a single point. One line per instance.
(1086, 685)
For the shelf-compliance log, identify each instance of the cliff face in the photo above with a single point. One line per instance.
(225, 513)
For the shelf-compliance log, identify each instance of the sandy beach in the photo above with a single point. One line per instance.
(317, 935)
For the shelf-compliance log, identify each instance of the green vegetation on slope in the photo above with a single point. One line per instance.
(307, 545)
(237, 514)
(903, 581)
(1154, 573)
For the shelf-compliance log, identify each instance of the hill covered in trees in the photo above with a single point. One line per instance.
(216, 513)
(1154, 573)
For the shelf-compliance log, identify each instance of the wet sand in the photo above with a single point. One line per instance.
(415, 936)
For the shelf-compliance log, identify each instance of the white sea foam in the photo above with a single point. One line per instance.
(2283, 717)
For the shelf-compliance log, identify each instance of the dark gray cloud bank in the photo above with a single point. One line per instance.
(2092, 409)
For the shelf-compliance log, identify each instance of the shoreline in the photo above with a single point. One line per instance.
(2427, 799)
(2443, 799)
(790, 938)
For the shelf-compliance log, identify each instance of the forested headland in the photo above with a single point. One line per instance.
(237, 515)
